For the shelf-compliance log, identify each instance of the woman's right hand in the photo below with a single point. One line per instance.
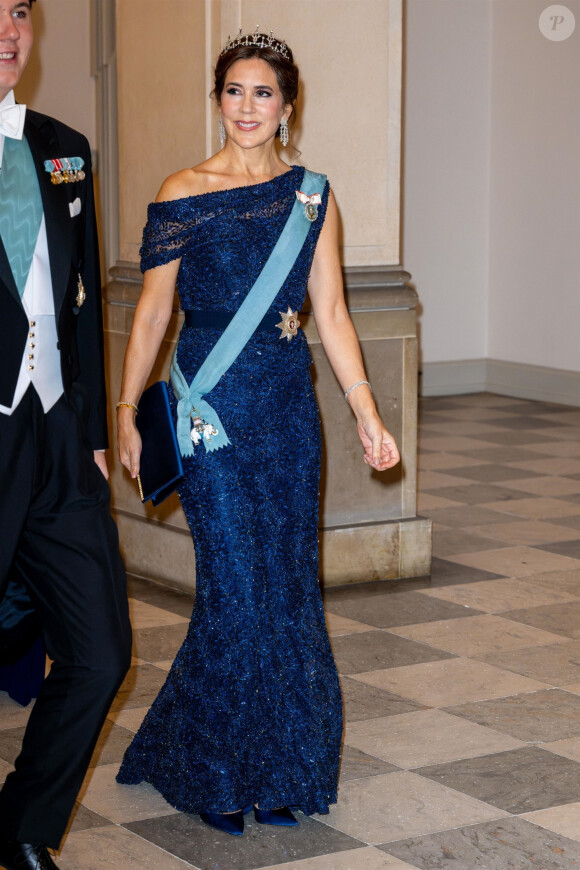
(128, 440)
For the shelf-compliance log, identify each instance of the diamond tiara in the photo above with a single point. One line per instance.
(258, 40)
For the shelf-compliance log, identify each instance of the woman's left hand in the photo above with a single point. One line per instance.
(380, 448)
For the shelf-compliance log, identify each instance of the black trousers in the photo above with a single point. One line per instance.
(57, 532)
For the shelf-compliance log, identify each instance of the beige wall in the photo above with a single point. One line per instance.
(349, 123)
(162, 102)
(58, 79)
(491, 158)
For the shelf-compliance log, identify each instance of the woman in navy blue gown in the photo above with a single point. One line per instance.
(250, 714)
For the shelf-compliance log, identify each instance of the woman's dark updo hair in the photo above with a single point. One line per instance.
(285, 69)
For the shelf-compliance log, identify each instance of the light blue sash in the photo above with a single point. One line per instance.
(20, 208)
(241, 327)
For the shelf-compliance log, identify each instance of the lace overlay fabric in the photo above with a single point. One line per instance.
(251, 709)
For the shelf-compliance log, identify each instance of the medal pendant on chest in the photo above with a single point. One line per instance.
(200, 429)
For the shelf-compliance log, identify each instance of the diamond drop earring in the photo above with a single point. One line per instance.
(284, 133)
(222, 131)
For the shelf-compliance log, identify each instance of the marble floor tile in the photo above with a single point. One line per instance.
(164, 666)
(355, 764)
(526, 422)
(160, 596)
(459, 427)
(489, 472)
(428, 501)
(117, 849)
(561, 618)
(5, 769)
(559, 448)
(399, 805)
(441, 461)
(145, 615)
(374, 650)
(121, 803)
(188, 838)
(509, 844)
(425, 737)
(564, 581)
(517, 781)
(446, 573)
(564, 433)
(83, 819)
(469, 515)
(140, 687)
(558, 664)
(337, 625)
(453, 681)
(500, 454)
(520, 437)
(448, 542)
(478, 493)
(456, 443)
(471, 413)
(541, 508)
(12, 715)
(432, 480)
(367, 702)
(562, 820)
(528, 533)
(570, 416)
(558, 466)
(111, 745)
(475, 635)
(516, 561)
(10, 743)
(572, 687)
(569, 748)
(496, 596)
(368, 858)
(159, 643)
(130, 719)
(563, 487)
(569, 522)
(564, 548)
(376, 590)
(400, 608)
(541, 716)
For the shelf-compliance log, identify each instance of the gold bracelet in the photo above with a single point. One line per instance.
(127, 405)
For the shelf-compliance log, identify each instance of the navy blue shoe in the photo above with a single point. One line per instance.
(229, 823)
(281, 817)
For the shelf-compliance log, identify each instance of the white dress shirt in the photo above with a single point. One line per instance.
(41, 359)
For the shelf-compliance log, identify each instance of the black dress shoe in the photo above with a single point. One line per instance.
(24, 856)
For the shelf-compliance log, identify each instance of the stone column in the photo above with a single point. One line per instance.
(348, 127)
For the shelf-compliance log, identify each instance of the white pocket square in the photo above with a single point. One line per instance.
(75, 207)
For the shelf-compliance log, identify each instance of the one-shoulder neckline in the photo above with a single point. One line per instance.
(225, 190)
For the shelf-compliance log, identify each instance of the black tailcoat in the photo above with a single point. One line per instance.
(73, 250)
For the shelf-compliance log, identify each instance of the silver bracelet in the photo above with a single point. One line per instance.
(354, 386)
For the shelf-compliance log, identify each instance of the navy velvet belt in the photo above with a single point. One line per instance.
(219, 319)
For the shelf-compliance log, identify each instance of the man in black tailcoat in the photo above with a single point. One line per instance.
(56, 532)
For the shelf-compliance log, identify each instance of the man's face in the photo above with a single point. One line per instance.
(16, 39)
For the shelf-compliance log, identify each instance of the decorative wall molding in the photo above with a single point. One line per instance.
(498, 376)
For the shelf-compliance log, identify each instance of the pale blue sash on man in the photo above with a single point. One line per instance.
(20, 208)
(242, 326)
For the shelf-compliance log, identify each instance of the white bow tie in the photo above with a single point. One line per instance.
(12, 121)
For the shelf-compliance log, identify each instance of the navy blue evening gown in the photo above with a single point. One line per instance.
(251, 709)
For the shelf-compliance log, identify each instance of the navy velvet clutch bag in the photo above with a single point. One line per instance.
(161, 467)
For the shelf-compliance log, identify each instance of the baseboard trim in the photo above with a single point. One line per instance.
(504, 378)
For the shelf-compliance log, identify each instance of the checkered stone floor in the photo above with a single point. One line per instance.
(462, 689)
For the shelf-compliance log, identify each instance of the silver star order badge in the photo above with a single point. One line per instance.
(289, 324)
